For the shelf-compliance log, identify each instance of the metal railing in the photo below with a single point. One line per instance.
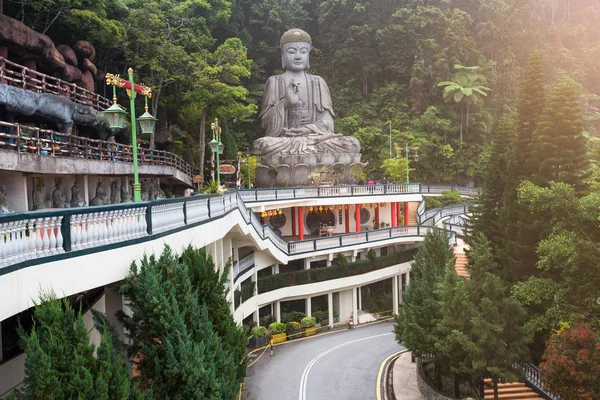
(26, 139)
(37, 235)
(242, 266)
(257, 195)
(14, 74)
(532, 376)
(438, 213)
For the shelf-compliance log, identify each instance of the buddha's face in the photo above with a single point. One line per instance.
(294, 56)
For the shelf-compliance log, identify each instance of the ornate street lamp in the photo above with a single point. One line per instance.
(216, 146)
(116, 118)
(406, 149)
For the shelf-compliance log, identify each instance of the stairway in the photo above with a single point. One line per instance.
(510, 391)
(412, 213)
(461, 259)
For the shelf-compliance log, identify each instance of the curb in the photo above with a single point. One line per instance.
(385, 388)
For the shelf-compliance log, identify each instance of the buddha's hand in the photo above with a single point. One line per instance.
(301, 131)
(292, 95)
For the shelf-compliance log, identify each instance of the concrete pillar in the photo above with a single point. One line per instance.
(360, 298)
(301, 223)
(278, 311)
(395, 294)
(293, 221)
(330, 308)
(113, 301)
(400, 294)
(272, 308)
(25, 206)
(329, 262)
(347, 218)
(357, 216)
(256, 316)
(354, 307)
(308, 305)
(236, 254)
(407, 279)
(86, 190)
(306, 263)
(393, 213)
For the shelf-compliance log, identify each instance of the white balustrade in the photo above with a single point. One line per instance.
(327, 243)
(166, 217)
(197, 210)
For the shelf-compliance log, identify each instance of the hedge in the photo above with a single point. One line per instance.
(272, 282)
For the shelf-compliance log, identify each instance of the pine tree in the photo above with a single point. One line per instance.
(496, 335)
(560, 144)
(420, 312)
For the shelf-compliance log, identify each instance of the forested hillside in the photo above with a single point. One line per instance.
(384, 61)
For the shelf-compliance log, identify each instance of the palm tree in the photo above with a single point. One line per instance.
(467, 88)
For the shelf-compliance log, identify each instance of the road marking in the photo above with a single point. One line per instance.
(304, 379)
(380, 373)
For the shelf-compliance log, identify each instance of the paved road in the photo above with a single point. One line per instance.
(342, 365)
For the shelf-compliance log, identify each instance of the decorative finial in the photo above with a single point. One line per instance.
(130, 71)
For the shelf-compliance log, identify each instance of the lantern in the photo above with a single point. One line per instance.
(116, 116)
(310, 208)
(320, 208)
(147, 122)
(280, 211)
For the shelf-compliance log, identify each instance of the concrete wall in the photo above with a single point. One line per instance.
(16, 189)
(428, 391)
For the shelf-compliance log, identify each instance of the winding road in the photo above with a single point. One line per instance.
(341, 365)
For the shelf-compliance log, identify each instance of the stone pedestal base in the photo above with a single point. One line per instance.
(295, 170)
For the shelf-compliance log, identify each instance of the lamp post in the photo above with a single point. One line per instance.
(116, 116)
(216, 146)
(406, 150)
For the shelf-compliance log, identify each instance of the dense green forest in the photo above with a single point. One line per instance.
(384, 62)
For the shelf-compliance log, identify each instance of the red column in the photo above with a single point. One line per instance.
(398, 212)
(357, 217)
(393, 209)
(293, 221)
(301, 222)
(347, 217)
(406, 213)
(377, 225)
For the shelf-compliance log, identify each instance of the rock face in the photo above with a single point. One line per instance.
(68, 54)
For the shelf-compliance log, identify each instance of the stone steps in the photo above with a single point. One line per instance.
(510, 391)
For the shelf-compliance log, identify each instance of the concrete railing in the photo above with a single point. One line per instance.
(14, 74)
(242, 266)
(259, 195)
(39, 236)
(44, 142)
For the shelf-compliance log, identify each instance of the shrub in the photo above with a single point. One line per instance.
(266, 320)
(277, 327)
(320, 315)
(259, 332)
(308, 322)
(342, 261)
(292, 327)
(292, 316)
(371, 255)
(447, 198)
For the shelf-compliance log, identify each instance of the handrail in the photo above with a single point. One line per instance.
(27, 139)
(532, 375)
(240, 267)
(31, 237)
(14, 74)
(261, 195)
(438, 213)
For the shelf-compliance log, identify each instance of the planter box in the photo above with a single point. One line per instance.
(291, 335)
(260, 342)
(310, 331)
(278, 337)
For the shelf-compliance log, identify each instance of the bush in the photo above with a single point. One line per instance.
(321, 315)
(266, 320)
(371, 255)
(341, 261)
(447, 198)
(277, 327)
(292, 327)
(308, 322)
(259, 332)
(294, 316)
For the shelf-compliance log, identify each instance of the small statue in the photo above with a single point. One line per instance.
(58, 198)
(125, 196)
(146, 194)
(115, 192)
(38, 197)
(100, 198)
(5, 205)
(76, 197)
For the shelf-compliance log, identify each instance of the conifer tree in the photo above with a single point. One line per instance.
(496, 338)
(420, 312)
(560, 144)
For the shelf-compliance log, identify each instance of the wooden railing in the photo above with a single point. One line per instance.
(45, 142)
(17, 75)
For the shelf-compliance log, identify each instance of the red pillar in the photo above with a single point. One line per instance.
(357, 217)
(347, 217)
(377, 225)
(301, 222)
(293, 221)
(406, 213)
(398, 212)
(393, 209)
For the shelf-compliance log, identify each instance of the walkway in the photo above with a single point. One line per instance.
(405, 379)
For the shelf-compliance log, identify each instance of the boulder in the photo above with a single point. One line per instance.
(87, 81)
(89, 66)
(68, 54)
(85, 49)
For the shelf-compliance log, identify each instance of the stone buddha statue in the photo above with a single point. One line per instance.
(297, 114)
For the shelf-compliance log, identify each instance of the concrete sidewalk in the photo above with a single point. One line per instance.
(405, 379)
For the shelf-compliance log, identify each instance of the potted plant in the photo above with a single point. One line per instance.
(277, 330)
(259, 337)
(322, 317)
(292, 330)
(309, 326)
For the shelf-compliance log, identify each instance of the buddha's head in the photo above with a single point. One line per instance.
(295, 49)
